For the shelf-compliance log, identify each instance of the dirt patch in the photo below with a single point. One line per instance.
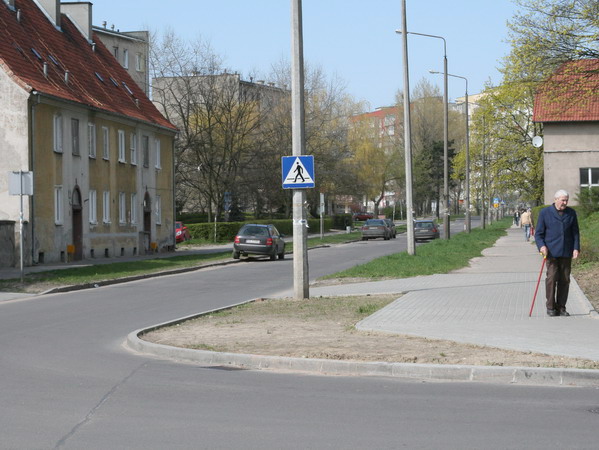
(324, 328)
(587, 277)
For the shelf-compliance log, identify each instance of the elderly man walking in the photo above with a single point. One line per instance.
(558, 239)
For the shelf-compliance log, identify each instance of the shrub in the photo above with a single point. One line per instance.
(340, 221)
(226, 231)
(588, 201)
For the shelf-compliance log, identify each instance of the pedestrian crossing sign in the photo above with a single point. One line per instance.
(298, 171)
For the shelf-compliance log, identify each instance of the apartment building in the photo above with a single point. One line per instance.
(100, 153)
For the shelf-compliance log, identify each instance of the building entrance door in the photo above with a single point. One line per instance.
(77, 216)
(147, 222)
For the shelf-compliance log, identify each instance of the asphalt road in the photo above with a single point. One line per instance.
(67, 382)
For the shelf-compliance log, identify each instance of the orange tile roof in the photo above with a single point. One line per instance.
(570, 95)
(96, 79)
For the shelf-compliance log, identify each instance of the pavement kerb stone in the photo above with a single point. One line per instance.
(538, 376)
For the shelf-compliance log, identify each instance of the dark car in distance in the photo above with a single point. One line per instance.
(391, 226)
(259, 239)
(425, 230)
(376, 228)
(181, 232)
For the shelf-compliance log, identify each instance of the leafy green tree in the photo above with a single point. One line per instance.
(547, 33)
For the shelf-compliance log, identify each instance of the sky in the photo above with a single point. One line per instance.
(352, 40)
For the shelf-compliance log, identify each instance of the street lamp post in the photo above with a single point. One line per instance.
(446, 226)
(468, 220)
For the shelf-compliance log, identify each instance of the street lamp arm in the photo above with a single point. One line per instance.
(428, 35)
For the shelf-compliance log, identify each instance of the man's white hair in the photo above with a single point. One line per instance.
(561, 193)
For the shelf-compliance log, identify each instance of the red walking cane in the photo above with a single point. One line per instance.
(536, 290)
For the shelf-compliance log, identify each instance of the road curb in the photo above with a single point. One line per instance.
(538, 376)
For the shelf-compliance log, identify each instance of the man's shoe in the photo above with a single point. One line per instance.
(564, 313)
(552, 312)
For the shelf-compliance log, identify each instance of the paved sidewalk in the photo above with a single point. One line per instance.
(487, 303)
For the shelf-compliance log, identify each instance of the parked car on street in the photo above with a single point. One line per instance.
(425, 230)
(259, 239)
(181, 232)
(391, 226)
(362, 216)
(376, 228)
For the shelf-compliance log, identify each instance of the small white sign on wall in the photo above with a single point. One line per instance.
(20, 183)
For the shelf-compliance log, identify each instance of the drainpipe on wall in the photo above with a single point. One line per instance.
(35, 100)
(173, 186)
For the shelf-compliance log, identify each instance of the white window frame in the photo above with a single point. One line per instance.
(590, 184)
(93, 207)
(158, 210)
(139, 62)
(58, 133)
(106, 207)
(122, 146)
(126, 58)
(105, 143)
(122, 208)
(133, 145)
(157, 153)
(133, 218)
(58, 206)
(91, 140)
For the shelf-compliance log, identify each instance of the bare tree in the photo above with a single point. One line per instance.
(217, 113)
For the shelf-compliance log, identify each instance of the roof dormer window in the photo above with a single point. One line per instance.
(35, 52)
(99, 77)
(127, 88)
(54, 60)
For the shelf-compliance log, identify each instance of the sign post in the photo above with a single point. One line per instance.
(298, 145)
(20, 183)
(298, 173)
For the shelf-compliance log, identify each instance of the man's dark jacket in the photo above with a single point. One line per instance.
(559, 233)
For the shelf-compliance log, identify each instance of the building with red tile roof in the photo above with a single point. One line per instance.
(101, 154)
(568, 106)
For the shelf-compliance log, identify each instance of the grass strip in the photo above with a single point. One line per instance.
(111, 271)
(438, 256)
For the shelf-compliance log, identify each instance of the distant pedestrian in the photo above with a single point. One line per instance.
(558, 239)
(516, 217)
(526, 223)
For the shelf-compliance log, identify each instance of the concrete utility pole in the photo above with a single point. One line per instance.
(300, 229)
(407, 133)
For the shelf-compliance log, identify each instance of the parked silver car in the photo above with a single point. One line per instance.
(376, 228)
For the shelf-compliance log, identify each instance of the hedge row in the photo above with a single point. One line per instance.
(226, 231)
